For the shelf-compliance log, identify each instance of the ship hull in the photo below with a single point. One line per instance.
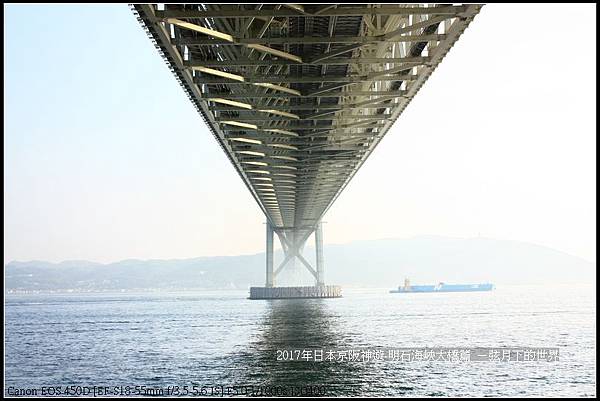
(445, 288)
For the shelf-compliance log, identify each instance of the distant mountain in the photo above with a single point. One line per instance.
(381, 263)
(431, 259)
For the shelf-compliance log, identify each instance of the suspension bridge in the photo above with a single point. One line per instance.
(299, 95)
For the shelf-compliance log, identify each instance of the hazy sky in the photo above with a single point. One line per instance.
(105, 158)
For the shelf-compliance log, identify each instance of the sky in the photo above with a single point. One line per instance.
(106, 159)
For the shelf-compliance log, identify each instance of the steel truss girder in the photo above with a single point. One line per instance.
(360, 81)
(194, 41)
(303, 79)
(251, 95)
(340, 11)
(330, 61)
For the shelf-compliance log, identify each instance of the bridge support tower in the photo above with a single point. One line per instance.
(292, 243)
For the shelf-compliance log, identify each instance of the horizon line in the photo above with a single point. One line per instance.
(308, 246)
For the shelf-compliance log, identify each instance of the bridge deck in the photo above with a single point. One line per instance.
(298, 96)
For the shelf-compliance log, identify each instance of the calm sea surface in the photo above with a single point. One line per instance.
(223, 339)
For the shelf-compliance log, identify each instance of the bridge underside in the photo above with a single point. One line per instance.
(299, 95)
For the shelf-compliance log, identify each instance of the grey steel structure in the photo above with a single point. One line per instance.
(299, 95)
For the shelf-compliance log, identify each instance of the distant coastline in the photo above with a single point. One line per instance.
(427, 259)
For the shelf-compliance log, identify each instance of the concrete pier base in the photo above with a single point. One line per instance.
(320, 291)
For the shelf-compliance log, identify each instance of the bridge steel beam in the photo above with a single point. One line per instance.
(270, 281)
(319, 254)
(293, 242)
(339, 11)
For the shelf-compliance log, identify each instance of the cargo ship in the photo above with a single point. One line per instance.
(442, 287)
